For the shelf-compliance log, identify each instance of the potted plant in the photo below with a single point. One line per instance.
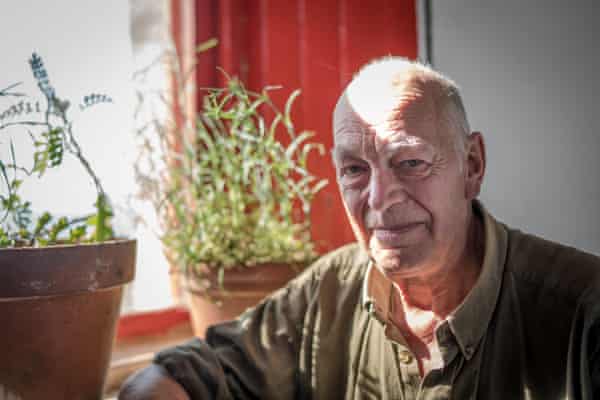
(234, 198)
(61, 278)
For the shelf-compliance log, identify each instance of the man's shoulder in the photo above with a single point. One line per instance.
(553, 267)
(348, 262)
(345, 265)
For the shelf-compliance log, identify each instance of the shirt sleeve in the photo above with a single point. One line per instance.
(583, 369)
(252, 357)
(594, 359)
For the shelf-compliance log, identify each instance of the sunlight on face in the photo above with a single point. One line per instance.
(399, 176)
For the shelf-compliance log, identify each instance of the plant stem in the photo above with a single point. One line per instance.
(5, 91)
(76, 151)
(30, 123)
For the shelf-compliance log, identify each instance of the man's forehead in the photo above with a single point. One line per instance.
(401, 124)
(357, 145)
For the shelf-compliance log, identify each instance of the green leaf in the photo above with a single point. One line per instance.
(319, 186)
(288, 108)
(15, 184)
(42, 222)
(4, 238)
(77, 233)
(274, 124)
(101, 221)
(12, 153)
(49, 152)
(296, 143)
(4, 174)
(57, 228)
(207, 45)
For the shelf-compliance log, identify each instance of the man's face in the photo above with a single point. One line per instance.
(402, 183)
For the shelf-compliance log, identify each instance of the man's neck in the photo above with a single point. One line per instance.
(424, 301)
(420, 305)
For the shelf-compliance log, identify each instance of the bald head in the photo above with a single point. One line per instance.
(393, 89)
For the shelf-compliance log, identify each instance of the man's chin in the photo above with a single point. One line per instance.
(398, 262)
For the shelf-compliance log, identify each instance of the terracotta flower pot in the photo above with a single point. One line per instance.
(242, 288)
(58, 310)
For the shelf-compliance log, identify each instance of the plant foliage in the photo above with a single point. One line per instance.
(52, 135)
(233, 194)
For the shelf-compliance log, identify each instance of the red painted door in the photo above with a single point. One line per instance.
(308, 44)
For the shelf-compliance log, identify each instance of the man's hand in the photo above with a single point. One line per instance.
(152, 383)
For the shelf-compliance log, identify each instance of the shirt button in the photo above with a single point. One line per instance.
(405, 357)
(469, 350)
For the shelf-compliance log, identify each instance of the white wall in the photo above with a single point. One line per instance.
(86, 47)
(529, 76)
(149, 32)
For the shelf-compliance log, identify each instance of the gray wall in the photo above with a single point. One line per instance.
(529, 76)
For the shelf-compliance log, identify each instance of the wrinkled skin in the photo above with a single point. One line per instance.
(407, 187)
(406, 190)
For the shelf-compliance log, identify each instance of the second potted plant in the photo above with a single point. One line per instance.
(237, 201)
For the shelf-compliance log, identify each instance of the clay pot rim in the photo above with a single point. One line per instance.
(67, 245)
(264, 277)
(51, 296)
(27, 272)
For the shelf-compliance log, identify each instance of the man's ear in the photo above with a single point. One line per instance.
(475, 165)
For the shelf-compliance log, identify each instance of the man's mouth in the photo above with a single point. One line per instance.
(396, 236)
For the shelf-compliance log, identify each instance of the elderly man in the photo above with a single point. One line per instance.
(438, 300)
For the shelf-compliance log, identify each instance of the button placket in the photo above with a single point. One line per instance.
(408, 370)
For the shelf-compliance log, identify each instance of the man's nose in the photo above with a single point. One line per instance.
(385, 190)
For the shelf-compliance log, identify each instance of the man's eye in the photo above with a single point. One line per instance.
(412, 163)
(414, 167)
(352, 170)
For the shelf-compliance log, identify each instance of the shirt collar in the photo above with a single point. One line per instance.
(376, 293)
(471, 318)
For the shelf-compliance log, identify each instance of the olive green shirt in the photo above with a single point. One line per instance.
(528, 329)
